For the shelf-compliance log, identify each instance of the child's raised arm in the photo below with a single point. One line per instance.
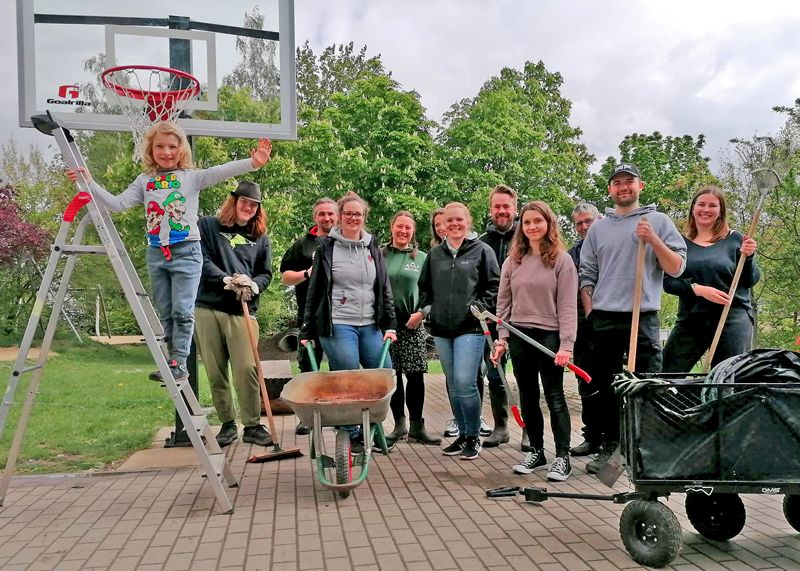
(260, 155)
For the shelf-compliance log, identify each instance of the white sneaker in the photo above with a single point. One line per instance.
(451, 429)
(485, 429)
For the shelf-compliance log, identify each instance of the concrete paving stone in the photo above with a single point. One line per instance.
(284, 566)
(260, 546)
(333, 549)
(208, 550)
(26, 555)
(388, 562)
(284, 553)
(337, 563)
(103, 558)
(233, 558)
(311, 560)
(362, 556)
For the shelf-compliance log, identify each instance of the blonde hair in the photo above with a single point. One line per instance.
(149, 164)
(461, 205)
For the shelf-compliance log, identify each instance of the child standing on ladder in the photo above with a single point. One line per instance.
(169, 189)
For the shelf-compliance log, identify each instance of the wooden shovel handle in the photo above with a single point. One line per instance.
(637, 305)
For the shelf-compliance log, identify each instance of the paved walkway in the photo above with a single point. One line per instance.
(417, 510)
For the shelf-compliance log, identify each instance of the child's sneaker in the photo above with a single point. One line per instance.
(485, 429)
(560, 469)
(472, 448)
(455, 448)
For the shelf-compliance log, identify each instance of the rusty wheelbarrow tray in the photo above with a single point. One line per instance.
(338, 399)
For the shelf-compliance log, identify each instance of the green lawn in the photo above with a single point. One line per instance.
(95, 407)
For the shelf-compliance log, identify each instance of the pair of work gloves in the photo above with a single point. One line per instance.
(244, 287)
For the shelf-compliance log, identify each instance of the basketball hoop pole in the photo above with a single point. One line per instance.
(180, 57)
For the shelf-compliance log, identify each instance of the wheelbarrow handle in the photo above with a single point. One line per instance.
(311, 356)
(313, 359)
(384, 353)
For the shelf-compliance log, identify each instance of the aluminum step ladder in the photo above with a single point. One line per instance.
(213, 461)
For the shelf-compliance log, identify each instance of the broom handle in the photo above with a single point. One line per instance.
(734, 284)
(637, 305)
(259, 372)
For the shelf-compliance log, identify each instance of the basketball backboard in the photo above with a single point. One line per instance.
(64, 45)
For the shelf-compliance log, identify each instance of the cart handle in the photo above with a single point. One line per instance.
(313, 359)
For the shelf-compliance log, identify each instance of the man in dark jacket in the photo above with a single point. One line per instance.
(296, 271)
(583, 216)
(234, 243)
(498, 235)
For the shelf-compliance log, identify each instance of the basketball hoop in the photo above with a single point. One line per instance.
(148, 93)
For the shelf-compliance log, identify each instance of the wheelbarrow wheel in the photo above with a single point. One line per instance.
(343, 460)
(719, 517)
(791, 509)
(650, 532)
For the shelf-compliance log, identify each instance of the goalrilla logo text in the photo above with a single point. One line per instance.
(68, 95)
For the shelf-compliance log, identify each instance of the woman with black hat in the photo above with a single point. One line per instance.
(234, 242)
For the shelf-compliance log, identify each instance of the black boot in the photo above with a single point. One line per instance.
(499, 401)
(400, 431)
(418, 433)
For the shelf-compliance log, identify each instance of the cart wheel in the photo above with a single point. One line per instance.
(719, 516)
(343, 460)
(651, 532)
(791, 509)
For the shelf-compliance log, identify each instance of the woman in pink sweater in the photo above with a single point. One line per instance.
(538, 289)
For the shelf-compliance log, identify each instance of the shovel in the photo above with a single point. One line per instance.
(613, 469)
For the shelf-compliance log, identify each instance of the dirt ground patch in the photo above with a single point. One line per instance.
(10, 353)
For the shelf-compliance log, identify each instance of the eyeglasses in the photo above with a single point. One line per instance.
(356, 215)
(587, 222)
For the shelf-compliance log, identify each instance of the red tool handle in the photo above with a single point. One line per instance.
(517, 416)
(579, 372)
(78, 201)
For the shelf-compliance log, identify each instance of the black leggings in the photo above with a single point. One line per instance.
(529, 366)
(412, 395)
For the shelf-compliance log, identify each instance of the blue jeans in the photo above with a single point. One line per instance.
(352, 346)
(175, 284)
(461, 358)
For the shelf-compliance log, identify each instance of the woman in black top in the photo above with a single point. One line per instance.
(233, 242)
(713, 251)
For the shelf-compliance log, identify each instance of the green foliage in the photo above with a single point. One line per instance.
(673, 168)
(516, 131)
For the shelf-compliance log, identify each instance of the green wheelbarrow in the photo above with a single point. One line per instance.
(339, 399)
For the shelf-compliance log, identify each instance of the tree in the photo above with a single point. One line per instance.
(336, 70)
(516, 131)
(673, 168)
(21, 245)
(775, 296)
(256, 72)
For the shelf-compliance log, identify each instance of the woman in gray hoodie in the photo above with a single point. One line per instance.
(349, 306)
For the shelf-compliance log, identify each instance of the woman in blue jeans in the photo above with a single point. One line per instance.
(349, 305)
(456, 273)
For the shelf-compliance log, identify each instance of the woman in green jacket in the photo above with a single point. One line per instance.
(409, 355)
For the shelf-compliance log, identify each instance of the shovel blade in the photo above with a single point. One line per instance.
(613, 469)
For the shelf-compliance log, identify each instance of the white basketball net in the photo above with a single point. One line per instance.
(148, 94)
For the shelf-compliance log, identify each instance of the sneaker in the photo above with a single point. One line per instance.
(179, 372)
(471, 450)
(302, 429)
(228, 434)
(532, 462)
(156, 375)
(559, 469)
(485, 429)
(256, 435)
(356, 446)
(585, 448)
(451, 429)
(594, 466)
(455, 448)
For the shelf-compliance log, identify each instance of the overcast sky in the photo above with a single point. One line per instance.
(680, 67)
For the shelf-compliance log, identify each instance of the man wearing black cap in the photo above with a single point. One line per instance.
(607, 282)
(235, 245)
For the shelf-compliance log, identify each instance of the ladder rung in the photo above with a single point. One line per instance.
(218, 462)
(200, 422)
(83, 249)
(31, 368)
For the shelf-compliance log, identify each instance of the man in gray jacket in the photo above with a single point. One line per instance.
(607, 278)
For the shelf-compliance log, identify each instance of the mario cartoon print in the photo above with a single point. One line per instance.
(154, 216)
(175, 207)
